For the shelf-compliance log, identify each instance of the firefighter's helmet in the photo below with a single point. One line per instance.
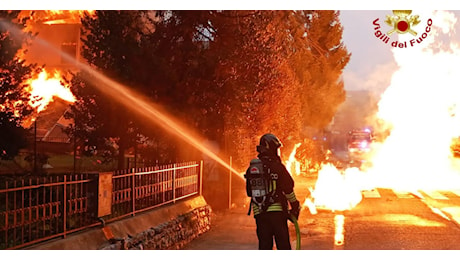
(269, 144)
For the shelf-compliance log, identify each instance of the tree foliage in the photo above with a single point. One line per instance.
(14, 106)
(234, 75)
(111, 44)
(325, 91)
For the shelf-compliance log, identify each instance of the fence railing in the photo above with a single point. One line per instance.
(35, 209)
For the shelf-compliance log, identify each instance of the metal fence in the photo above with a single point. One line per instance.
(35, 209)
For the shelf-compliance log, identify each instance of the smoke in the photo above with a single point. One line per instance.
(371, 64)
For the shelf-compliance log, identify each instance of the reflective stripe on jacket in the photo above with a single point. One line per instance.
(275, 206)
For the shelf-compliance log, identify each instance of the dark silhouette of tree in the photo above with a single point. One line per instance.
(111, 44)
(14, 106)
(183, 69)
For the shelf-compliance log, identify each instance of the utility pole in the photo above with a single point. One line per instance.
(135, 154)
(230, 185)
(35, 146)
(75, 150)
(75, 144)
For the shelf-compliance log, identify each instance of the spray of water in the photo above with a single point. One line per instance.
(133, 101)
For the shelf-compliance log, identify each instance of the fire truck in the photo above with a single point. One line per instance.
(359, 142)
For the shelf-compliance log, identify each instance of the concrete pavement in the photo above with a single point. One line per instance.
(230, 230)
(233, 229)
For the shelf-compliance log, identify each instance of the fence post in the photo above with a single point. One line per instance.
(133, 187)
(200, 180)
(6, 215)
(75, 151)
(174, 183)
(65, 205)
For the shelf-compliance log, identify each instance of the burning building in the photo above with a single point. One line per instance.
(59, 29)
(50, 96)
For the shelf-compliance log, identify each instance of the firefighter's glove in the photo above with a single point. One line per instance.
(295, 209)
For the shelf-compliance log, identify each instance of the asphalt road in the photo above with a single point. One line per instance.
(383, 220)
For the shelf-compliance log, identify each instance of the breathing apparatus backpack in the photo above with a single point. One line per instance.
(259, 185)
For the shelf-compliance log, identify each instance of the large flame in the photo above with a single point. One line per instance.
(292, 165)
(421, 106)
(54, 16)
(45, 87)
(336, 190)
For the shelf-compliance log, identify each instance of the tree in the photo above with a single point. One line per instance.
(234, 75)
(182, 77)
(14, 98)
(324, 91)
(111, 44)
(258, 87)
(279, 71)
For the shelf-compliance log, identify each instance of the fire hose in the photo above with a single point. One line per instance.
(297, 230)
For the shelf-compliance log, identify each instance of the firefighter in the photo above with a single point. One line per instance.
(272, 215)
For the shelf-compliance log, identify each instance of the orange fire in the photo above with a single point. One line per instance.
(48, 84)
(45, 87)
(55, 16)
(336, 190)
(67, 16)
(422, 106)
(292, 165)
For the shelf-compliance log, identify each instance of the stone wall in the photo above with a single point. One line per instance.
(173, 234)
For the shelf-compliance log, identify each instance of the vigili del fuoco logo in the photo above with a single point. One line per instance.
(402, 22)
